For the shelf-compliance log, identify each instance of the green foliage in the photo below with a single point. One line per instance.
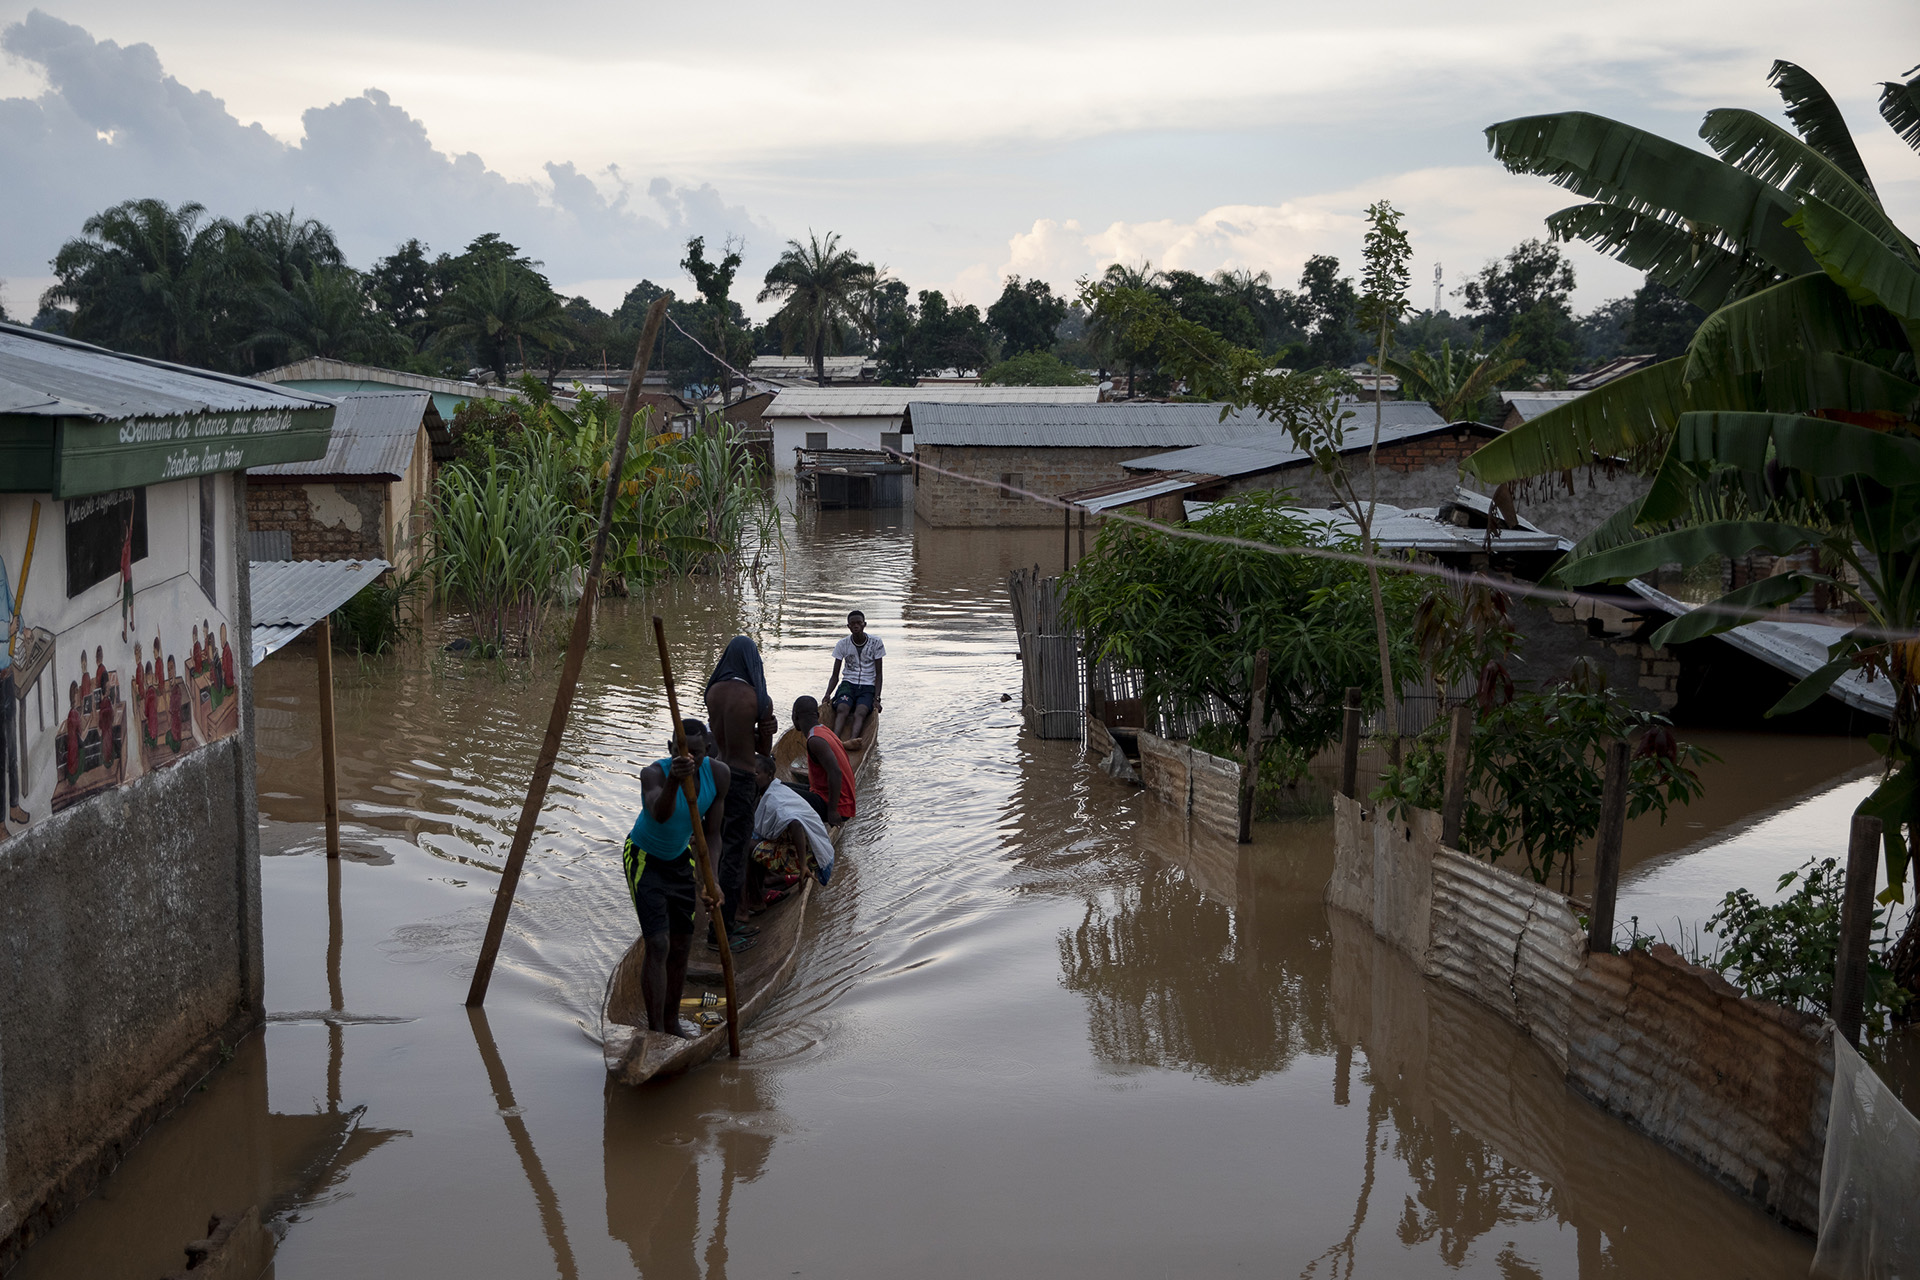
(820, 287)
(1383, 299)
(1535, 773)
(1787, 951)
(378, 616)
(507, 533)
(1455, 385)
(1032, 369)
(1026, 317)
(918, 339)
(1192, 614)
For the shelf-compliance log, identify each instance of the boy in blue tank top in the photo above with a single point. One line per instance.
(658, 859)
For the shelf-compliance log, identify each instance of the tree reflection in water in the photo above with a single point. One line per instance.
(1223, 961)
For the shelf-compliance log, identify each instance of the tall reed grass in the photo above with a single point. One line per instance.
(513, 525)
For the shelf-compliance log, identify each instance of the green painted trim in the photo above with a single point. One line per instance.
(73, 457)
(26, 454)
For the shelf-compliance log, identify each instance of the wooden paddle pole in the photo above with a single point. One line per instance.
(329, 768)
(570, 671)
(702, 856)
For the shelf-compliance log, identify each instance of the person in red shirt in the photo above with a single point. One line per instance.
(100, 671)
(829, 772)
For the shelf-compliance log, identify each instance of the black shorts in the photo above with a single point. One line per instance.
(853, 695)
(663, 891)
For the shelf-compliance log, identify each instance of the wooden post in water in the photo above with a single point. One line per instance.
(1849, 1001)
(329, 775)
(1606, 865)
(1350, 745)
(1256, 727)
(1453, 802)
(702, 856)
(570, 671)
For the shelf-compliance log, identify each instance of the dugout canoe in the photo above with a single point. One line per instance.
(635, 1055)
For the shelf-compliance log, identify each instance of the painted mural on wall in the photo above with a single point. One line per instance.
(120, 648)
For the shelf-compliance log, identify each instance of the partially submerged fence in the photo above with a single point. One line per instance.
(1051, 674)
(1743, 1087)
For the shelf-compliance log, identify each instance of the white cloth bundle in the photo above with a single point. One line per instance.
(780, 807)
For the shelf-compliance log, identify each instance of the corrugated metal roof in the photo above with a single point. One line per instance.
(892, 402)
(1423, 529)
(374, 434)
(1531, 404)
(291, 595)
(1797, 648)
(43, 375)
(318, 370)
(1122, 493)
(1268, 447)
(1086, 425)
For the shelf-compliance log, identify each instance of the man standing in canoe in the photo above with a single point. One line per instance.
(852, 701)
(658, 860)
(741, 712)
(829, 772)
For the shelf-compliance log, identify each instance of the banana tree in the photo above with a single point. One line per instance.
(1792, 424)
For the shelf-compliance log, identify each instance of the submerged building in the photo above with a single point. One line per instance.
(130, 949)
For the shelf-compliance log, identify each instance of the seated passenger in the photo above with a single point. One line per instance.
(854, 700)
(829, 772)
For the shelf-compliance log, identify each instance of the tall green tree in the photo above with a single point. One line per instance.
(498, 307)
(1026, 316)
(1382, 305)
(1789, 426)
(408, 287)
(729, 342)
(159, 280)
(820, 287)
(1330, 310)
(1528, 296)
(329, 313)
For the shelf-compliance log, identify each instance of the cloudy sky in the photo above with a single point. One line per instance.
(952, 145)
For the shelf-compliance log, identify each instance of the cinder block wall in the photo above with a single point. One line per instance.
(946, 502)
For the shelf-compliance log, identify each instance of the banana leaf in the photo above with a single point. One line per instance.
(1782, 325)
(1900, 108)
(1691, 265)
(1871, 273)
(1603, 159)
(1896, 802)
(1819, 447)
(1810, 690)
(1736, 608)
(1812, 110)
(1730, 538)
(1754, 144)
(1624, 415)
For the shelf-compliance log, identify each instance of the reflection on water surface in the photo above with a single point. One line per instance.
(1038, 1027)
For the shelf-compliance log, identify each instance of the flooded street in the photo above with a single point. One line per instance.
(1037, 1028)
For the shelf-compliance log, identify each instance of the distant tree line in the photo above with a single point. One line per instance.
(272, 288)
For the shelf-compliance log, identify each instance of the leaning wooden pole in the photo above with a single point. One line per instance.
(570, 672)
(1606, 856)
(329, 768)
(702, 856)
(1256, 730)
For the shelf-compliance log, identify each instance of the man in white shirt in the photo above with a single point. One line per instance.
(855, 699)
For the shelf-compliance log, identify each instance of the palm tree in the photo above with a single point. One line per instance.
(820, 287)
(328, 314)
(498, 305)
(290, 247)
(1108, 323)
(157, 281)
(1454, 384)
(1791, 423)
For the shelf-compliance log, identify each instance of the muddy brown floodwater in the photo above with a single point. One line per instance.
(1037, 1029)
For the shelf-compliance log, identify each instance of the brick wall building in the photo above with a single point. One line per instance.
(369, 497)
(974, 459)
